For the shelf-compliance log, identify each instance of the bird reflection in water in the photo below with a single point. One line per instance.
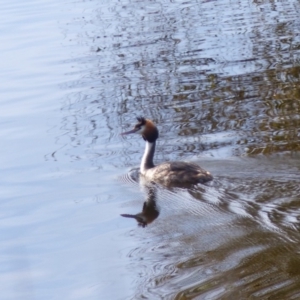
(149, 212)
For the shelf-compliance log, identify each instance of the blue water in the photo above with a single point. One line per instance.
(219, 78)
(60, 232)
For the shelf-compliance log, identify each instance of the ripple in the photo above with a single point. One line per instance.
(131, 178)
(227, 233)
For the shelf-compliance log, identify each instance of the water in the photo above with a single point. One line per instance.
(221, 79)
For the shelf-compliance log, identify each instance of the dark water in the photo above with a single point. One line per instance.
(221, 80)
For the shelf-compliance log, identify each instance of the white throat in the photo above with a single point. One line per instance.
(147, 160)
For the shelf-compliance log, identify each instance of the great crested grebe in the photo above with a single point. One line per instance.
(168, 173)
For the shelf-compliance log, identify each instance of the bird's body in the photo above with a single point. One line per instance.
(167, 173)
(177, 172)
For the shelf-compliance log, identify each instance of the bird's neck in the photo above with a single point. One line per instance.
(147, 160)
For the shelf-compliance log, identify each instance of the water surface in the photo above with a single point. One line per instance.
(221, 80)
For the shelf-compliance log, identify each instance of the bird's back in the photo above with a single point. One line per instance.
(178, 172)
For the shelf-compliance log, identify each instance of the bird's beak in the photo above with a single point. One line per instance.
(130, 131)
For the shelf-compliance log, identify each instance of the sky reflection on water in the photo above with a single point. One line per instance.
(221, 81)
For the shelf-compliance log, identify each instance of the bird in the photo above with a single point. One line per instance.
(170, 172)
